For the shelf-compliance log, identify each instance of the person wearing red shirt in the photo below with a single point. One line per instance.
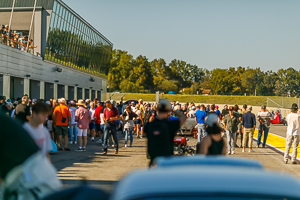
(97, 120)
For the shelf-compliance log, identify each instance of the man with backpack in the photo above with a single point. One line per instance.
(161, 131)
(111, 115)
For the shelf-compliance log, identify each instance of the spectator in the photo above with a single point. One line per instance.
(161, 132)
(111, 115)
(102, 123)
(264, 125)
(217, 110)
(23, 110)
(9, 106)
(96, 102)
(92, 125)
(83, 119)
(138, 122)
(23, 42)
(213, 143)
(225, 111)
(73, 124)
(200, 116)
(248, 125)
(98, 120)
(61, 119)
(192, 112)
(292, 134)
(37, 131)
(230, 125)
(142, 109)
(128, 117)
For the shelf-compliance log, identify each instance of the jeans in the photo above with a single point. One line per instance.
(262, 128)
(128, 131)
(201, 131)
(230, 141)
(289, 140)
(102, 129)
(73, 129)
(110, 127)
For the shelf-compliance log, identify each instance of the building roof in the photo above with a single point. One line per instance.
(206, 91)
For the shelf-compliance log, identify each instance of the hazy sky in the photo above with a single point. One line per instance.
(210, 33)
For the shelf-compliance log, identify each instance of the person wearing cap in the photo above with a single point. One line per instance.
(264, 118)
(231, 122)
(83, 119)
(61, 120)
(217, 110)
(248, 126)
(161, 131)
(292, 134)
(73, 124)
(213, 143)
(192, 112)
(110, 116)
(225, 111)
(200, 116)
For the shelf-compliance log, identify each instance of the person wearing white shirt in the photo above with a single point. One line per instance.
(73, 124)
(92, 125)
(36, 130)
(292, 134)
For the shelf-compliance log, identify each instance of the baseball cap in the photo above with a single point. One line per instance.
(2, 26)
(112, 101)
(231, 108)
(193, 107)
(48, 102)
(72, 102)
(177, 102)
(213, 123)
(164, 105)
(263, 107)
(26, 36)
(294, 106)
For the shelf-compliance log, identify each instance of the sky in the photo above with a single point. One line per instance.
(207, 33)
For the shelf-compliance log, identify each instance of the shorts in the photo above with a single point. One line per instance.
(92, 125)
(49, 125)
(81, 132)
(138, 122)
(97, 126)
(62, 130)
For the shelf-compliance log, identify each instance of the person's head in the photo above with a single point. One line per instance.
(212, 107)
(213, 124)
(88, 101)
(193, 108)
(108, 104)
(62, 101)
(177, 102)
(236, 108)
(25, 100)
(128, 108)
(92, 105)
(263, 108)
(294, 108)
(132, 103)
(249, 108)
(9, 105)
(217, 107)
(25, 38)
(40, 112)
(174, 103)
(146, 106)
(202, 107)
(183, 108)
(81, 103)
(231, 110)
(95, 101)
(225, 107)
(13, 100)
(1, 100)
(164, 107)
(245, 106)
(54, 102)
(198, 106)
(140, 101)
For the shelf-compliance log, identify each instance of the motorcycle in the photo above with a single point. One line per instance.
(181, 147)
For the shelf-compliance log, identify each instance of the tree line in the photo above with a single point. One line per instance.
(127, 74)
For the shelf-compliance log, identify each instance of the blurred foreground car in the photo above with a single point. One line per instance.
(212, 182)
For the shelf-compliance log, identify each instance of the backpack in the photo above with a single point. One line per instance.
(160, 141)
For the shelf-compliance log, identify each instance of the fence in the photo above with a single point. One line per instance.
(282, 102)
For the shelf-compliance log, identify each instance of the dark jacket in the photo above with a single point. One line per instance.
(248, 120)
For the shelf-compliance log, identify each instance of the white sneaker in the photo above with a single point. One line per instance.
(243, 150)
(251, 151)
(125, 145)
(232, 152)
(92, 139)
(70, 142)
(75, 142)
(100, 141)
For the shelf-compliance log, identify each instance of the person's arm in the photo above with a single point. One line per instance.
(254, 121)
(225, 121)
(182, 118)
(140, 116)
(204, 145)
(224, 148)
(76, 116)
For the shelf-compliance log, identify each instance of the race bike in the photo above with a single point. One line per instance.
(181, 147)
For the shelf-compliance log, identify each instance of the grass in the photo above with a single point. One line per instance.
(218, 99)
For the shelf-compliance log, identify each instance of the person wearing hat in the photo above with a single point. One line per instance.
(110, 116)
(231, 122)
(161, 131)
(192, 112)
(213, 143)
(61, 119)
(292, 134)
(83, 119)
(22, 112)
(264, 118)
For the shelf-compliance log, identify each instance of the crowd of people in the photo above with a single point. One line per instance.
(15, 39)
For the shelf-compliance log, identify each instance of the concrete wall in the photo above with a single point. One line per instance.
(15, 63)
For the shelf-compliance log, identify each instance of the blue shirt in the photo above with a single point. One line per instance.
(200, 115)
(218, 112)
(248, 120)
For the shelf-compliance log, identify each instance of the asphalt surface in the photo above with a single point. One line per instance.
(104, 171)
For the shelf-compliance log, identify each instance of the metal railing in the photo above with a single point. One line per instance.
(282, 102)
(16, 45)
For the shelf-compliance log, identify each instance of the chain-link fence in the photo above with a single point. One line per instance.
(282, 102)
